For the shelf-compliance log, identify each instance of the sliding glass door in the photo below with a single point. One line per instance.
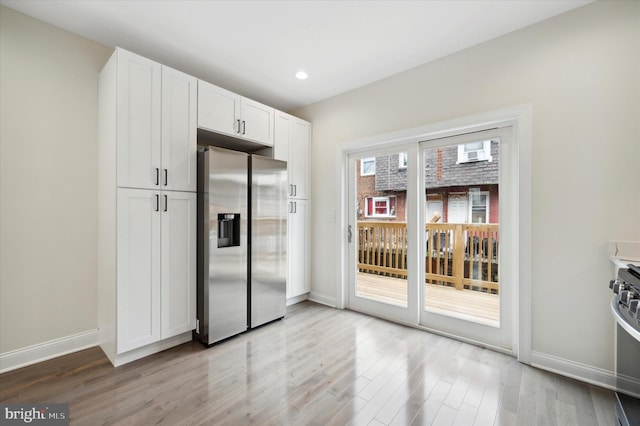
(382, 253)
(428, 242)
(463, 292)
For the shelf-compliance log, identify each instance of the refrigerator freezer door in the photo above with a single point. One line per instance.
(223, 244)
(268, 240)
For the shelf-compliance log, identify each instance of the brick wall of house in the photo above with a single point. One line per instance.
(443, 176)
(449, 173)
(367, 187)
(389, 175)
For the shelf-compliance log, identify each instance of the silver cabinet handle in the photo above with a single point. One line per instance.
(165, 176)
(166, 203)
(244, 127)
(291, 190)
(295, 190)
(238, 120)
(157, 203)
(295, 207)
(157, 176)
(349, 233)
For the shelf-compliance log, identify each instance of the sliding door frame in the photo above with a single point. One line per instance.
(520, 118)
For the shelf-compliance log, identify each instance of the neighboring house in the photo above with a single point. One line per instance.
(461, 181)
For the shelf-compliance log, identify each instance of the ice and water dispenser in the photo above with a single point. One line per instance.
(228, 230)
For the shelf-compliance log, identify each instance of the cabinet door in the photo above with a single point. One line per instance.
(282, 136)
(138, 121)
(298, 249)
(218, 109)
(179, 130)
(299, 151)
(178, 277)
(256, 122)
(138, 266)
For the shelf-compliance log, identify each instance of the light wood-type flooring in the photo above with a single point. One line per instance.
(317, 366)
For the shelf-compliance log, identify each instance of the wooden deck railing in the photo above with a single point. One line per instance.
(464, 256)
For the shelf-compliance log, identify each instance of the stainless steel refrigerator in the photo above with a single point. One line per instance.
(242, 222)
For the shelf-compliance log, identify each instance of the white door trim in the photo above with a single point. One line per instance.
(520, 117)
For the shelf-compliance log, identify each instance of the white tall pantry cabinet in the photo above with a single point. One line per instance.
(292, 144)
(147, 207)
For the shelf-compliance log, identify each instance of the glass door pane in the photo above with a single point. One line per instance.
(462, 292)
(380, 246)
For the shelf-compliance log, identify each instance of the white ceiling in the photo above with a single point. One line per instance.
(255, 47)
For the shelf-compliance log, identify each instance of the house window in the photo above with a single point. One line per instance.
(380, 207)
(474, 151)
(479, 202)
(402, 160)
(368, 166)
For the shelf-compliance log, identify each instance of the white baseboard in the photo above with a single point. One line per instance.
(297, 299)
(150, 349)
(23, 357)
(323, 299)
(575, 370)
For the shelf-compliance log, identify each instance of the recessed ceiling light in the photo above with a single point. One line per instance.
(301, 75)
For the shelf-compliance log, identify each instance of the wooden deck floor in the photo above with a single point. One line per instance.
(466, 304)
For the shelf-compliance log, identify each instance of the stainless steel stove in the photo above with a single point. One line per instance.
(625, 307)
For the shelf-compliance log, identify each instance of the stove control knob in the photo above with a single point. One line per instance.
(633, 308)
(618, 287)
(625, 296)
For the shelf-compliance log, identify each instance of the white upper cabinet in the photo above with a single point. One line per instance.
(293, 144)
(156, 125)
(299, 156)
(256, 121)
(218, 109)
(282, 127)
(227, 113)
(138, 121)
(179, 131)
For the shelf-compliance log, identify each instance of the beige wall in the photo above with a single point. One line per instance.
(580, 71)
(48, 213)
